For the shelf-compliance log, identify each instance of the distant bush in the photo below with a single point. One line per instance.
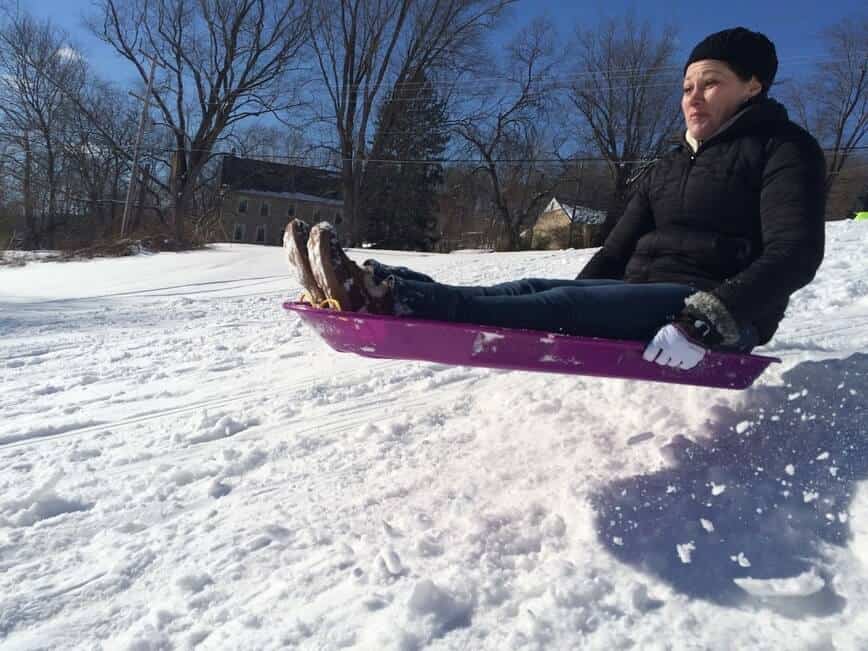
(128, 246)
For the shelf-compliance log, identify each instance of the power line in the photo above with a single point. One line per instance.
(441, 160)
(608, 73)
(478, 161)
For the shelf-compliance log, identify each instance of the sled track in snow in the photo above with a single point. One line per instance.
(322, 426)
(220, 401)
(856, 323)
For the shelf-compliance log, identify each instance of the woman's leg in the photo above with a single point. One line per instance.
(611, 309)
(382, 271)
(607, 308)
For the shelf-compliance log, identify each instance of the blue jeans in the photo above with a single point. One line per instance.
(611, 309)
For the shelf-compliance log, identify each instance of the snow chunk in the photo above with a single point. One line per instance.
(642, 601)
(708, 525)
(214, 427)
(46, 507)
(802, 585)
(391, 562)
(43, 503)
(743, 426)
(445, 611)
(194, 583)
(219, 489)
(554, 526)
(685, 551)
(250, 461)
(790, 469)
(741, 559)
(717, 489)
(639, 438)
(486, 341)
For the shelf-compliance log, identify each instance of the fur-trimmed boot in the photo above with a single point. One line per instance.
(295, 239)
(342, 279)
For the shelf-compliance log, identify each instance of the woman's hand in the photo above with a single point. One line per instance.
(672, 347)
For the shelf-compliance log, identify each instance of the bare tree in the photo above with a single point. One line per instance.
(626, 91)
(366, 48)
(504, 131)
(219, 63)
(833, 102)
(40, 72)
(98, 153)
(273, 142)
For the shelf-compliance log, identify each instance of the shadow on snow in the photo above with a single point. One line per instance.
(775, 490)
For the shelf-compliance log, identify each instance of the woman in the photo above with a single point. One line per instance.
(716, 237)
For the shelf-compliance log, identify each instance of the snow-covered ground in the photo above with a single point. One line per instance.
(184, 465)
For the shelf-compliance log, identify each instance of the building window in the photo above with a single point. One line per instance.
(338, 217)
(242, 206)
(290, 211)
(260, 234)
(238, 234)
(264, 209)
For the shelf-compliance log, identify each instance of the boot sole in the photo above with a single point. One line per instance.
(320, 254)
(295, 239)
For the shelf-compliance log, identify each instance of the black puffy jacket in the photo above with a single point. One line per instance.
(741, 218)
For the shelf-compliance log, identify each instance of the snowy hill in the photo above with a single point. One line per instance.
(183, 465)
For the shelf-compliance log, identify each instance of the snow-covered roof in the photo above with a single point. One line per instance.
(577, 214)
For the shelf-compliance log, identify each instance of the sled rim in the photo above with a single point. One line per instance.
(473, 345)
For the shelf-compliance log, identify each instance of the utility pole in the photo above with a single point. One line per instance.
(141, 133)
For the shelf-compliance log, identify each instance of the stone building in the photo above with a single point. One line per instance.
(562, 226)
(260, 197)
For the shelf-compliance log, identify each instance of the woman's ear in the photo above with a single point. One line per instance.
(754, 87)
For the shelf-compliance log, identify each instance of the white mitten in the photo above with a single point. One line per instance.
(670, 347)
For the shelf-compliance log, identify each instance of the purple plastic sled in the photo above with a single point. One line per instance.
(463, 344)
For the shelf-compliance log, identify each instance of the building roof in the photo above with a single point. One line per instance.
(576, 214)
(252, 175)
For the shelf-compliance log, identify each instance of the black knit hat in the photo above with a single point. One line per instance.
(747, 53)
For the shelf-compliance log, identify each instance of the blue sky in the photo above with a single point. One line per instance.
(794, 25)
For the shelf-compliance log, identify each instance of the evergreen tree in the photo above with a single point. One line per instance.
(399, 191)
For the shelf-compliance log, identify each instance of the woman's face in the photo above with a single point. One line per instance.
(712, 95)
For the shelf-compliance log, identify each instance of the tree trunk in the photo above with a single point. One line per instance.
(31, 235)
(180, 188)
(115, 191)
(96, 214)
(179, 211)
(51, 219)
(512, 236)
(136, 221)
(617, 202)
(348, 230)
